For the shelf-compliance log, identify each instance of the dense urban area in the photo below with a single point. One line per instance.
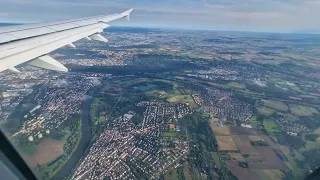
(170, 104)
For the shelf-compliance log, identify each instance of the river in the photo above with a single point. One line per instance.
(86, 137)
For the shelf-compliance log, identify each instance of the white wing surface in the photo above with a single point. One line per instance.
(31, 43)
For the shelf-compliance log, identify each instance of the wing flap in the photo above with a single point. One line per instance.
(47, 62)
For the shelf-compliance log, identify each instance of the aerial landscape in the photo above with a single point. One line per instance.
(170, 104)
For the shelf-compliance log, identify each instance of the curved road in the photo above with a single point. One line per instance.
(86, 137)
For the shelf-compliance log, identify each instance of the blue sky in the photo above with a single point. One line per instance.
(243, 15)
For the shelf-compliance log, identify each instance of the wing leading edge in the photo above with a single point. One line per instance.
(32, 43)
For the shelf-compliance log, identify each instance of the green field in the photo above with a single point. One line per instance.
(236, 85)
(156, 93)
(171, 175)
(168, 134)
(299, 110)
(270, 125)
(284, 83)
(277, 105)
(216, 159)
(265, 111)
(230, 85)
(182, 99)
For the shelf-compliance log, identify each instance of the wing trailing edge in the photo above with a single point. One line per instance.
(32, 43)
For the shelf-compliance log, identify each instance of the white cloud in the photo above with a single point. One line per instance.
(270, 15)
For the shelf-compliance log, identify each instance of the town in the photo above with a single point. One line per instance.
(128, 151)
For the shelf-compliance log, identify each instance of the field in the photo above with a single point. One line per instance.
(47, 151)
(182, 99)
(243, 131)
(216, 159)
(172, 174)
(226, 143)
(220, 131)
(271, 174)
(265, 111)
(285, 84)
(285, 149)
(186, 171)
(270, 125)
(156, 93)
(256, 138)
(236, 85)
(237, 156)
(230, 85)
(277, 105)
(241, 173)
(244, 145)
(168, 134)
(299, 110)
(269, 158)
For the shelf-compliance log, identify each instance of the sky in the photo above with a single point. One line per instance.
(232, 15)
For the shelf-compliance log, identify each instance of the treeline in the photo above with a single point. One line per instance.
(311, 137)
(73, 140)
(259, 143)
(310, 161)
(295, 142)
(203, 143)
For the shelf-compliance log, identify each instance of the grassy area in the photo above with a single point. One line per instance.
(265, 111)
(168, 134)
(286, 84)
(230, 85)
(270, 126)
(268, 174)
(298, 174)
(181, 99)
(171, 175)
(236, 85)
(48, 171)
(252, 120)
(27, 148)
(216, 159)
(299, 110)
(277, 105)
(156, 93)
(66, 134)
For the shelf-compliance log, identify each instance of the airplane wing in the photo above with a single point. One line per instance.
(31, 43)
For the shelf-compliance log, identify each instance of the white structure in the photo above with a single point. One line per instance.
(292, 133)
(246, 125)
(35, 108)
(30, 138)
(32, 42)
(47, 131)
(40, 136)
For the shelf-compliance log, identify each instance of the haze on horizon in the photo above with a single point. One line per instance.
(233, 15)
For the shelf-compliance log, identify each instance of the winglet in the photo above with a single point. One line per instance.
(127, 13)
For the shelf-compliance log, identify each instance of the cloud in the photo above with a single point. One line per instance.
(255, 15)
(3, 14)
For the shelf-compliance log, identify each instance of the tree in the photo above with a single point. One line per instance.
(244, 164)
(312, 137)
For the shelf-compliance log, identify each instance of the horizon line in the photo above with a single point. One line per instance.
(186, 29)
